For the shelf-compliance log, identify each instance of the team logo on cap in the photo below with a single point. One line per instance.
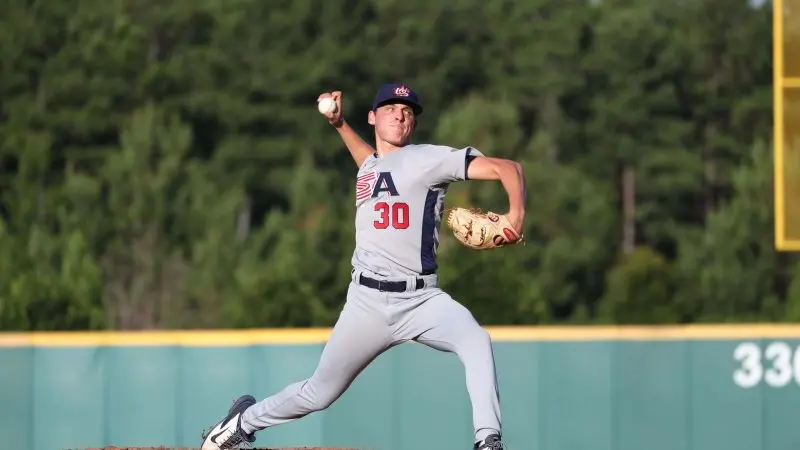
(402, 91)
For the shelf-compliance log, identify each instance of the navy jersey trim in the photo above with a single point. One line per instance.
(427, 256)
(467, 160)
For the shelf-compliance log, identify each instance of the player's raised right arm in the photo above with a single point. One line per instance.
(357, 147)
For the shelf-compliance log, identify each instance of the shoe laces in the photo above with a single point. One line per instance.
(493, 445)
(237, 438)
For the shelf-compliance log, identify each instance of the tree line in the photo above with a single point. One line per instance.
(163, 165)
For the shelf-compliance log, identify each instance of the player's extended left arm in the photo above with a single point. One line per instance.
(512, 177)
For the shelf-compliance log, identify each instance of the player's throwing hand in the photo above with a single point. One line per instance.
(335, 116)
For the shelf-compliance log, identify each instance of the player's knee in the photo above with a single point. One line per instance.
(325, 392)
(478, 341)
(325, 399)
(482, 342)
(483, 338)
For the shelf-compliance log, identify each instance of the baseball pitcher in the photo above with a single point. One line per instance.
(393, 296)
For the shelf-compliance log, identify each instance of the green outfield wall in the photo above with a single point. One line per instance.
(701, 388)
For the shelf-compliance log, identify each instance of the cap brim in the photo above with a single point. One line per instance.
(415, 106)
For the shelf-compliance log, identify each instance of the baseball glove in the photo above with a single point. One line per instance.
(481, 231)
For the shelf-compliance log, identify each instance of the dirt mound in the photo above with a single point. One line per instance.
(187, 448)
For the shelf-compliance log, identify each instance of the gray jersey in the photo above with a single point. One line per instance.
(399, 202)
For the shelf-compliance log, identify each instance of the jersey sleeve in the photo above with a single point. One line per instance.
(447, 164)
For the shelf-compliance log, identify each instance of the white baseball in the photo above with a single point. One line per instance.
(326, 106)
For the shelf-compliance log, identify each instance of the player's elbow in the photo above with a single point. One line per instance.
(509, 168)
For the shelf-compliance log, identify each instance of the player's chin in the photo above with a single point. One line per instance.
(397, 138)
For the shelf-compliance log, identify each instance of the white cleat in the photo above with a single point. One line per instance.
(227, 434)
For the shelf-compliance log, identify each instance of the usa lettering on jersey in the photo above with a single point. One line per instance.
(365, 185)
(375, 184)
(372, 184)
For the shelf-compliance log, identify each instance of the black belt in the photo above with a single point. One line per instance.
(387, 286)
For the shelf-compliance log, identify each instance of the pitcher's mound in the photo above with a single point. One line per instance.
(252, 448)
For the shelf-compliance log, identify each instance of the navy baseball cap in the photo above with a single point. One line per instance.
(397, 93)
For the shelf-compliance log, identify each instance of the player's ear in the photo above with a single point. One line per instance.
(371, 118)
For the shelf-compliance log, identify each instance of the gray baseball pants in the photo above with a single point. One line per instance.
(372, 322)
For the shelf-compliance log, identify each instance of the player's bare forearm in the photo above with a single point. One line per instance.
(510, 175)
(357, 147)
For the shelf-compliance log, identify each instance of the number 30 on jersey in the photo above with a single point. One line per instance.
(777, 365)
(389, 215)
(393, 215)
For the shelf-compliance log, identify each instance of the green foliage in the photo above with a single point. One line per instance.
(640, 290)
(162, 164)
